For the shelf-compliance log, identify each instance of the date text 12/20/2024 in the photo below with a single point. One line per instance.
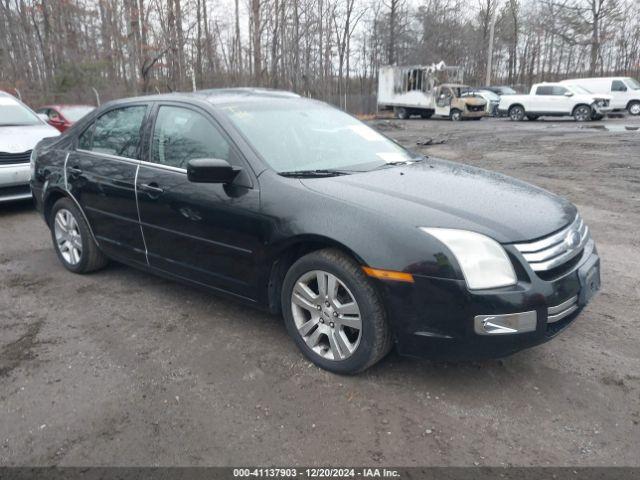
(315, 473)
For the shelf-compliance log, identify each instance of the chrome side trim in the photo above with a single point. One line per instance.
(509, 323)
(66, 181)
(135, 192)
(134, 161)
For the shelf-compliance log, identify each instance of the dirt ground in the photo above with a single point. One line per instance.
(122, 368)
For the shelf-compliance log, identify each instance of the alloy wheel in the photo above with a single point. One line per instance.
(68, 237)
(582, 114)
(326, 315)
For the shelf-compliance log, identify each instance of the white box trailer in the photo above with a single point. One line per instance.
(427, 90)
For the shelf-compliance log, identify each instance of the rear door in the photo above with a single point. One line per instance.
(207, 233)
(101, 174)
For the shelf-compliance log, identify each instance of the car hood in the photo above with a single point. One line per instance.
(438, 193)
(18, 139)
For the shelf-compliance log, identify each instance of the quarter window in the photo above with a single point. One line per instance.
(117, 132)
(181, 135)
(618, 86)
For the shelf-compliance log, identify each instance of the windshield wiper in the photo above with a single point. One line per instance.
(321, 172)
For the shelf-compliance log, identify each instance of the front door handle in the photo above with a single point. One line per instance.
(152, 189)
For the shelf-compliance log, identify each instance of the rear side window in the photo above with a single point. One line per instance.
(117, 132)
(618, 86)
(544, 91)
(181, 135)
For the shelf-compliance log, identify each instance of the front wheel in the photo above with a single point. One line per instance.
(634, 108)
(456, 115)
(582, 113)
(334, 313)
(72, 239)
(516, 113)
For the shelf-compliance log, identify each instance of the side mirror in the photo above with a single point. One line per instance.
(568, 94)
(43, 117)
(211, 170)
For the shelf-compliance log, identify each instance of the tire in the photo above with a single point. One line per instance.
(402, 113)
(633, 108)
(72, 239)
(516, 113)
(582, 113)
(311, 324)
(532, 118)
(455, 115)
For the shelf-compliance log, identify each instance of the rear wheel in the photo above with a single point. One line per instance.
(516, 113)
(634, 108)
(402, 113)
(334, 313)
(72, 239)
(455, 115)
(582, 113)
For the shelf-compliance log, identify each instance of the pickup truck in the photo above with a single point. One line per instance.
(556, 99)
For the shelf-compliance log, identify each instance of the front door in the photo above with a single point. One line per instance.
(444, 96)
(204, 232)
(101, 175)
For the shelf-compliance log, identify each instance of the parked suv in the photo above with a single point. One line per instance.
(20, 130)
(558, 100)
(293, 206)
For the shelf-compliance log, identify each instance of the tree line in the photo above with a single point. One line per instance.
(75, 50)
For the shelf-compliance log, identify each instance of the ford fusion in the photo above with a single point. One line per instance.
(295, 207)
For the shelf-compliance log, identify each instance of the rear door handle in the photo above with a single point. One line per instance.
(152, 189)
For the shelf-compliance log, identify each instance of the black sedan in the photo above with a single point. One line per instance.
(295, 207)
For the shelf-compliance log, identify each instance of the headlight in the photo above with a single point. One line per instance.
(483, 261)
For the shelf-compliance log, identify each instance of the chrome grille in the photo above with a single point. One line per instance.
(556, 249)
(557, 313)
(10, 158)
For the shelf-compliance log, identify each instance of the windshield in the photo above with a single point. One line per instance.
(75, 113)
(465, 92)
(490, 95)
(14, 113)
(294, 135)
(578, 89)
(507, 91)
(633, 83)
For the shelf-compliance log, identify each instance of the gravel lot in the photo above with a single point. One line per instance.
(122, 368)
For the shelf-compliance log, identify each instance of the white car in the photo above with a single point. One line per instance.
(20, 130)
(624, 91)
(556, 99)
(493, 101)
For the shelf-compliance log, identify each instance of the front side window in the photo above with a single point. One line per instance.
(117, 132)
(558, 91)
(181, 135)
(296, 135)
(618, 86)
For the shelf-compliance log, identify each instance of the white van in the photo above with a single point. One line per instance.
(625, 91)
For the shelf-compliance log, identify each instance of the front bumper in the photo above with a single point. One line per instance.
(441, 319)
(14, 182)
